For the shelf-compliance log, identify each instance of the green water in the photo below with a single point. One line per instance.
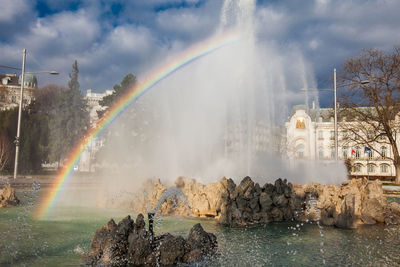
(66, 237)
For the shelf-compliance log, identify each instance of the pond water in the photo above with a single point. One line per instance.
(64, 239)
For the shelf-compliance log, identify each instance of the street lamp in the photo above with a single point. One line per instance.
(20, 105)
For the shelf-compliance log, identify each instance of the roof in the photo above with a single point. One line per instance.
(324, 113)
(12, 79)
(30, 80)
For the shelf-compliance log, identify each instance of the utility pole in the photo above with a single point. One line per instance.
(17, 141)
(335, 109)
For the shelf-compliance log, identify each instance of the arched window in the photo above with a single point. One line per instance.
(320, 135)
(371, 168)
(383, 152)
(300, 151)
(384, 168)
(344, 152)
(358, 152)
(370, 153)
(320, 152)
(357, 168)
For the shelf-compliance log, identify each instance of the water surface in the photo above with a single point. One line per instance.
(64, 238)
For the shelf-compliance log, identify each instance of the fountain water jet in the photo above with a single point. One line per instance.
(215, 117)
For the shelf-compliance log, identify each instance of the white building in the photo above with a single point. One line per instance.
(10, 90)
(87, 157)
(310, 135)
(93, 100)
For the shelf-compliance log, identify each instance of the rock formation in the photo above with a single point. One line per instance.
(349, 205)
(8, 197)
(128, 243)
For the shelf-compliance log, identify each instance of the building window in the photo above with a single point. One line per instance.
(320, 152)
(300, 151)
(384, 168)
(383, 152)
(345, 135)
(320, 135)
(358, 152)
(332, 135)
(332, 152)
(345, 155)
(357, 168)
(371, 168)
(370, 154)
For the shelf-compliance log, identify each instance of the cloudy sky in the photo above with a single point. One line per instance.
(112, 38)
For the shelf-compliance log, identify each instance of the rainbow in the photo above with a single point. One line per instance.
(188, 56)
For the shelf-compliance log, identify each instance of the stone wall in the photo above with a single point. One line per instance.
(349, 205)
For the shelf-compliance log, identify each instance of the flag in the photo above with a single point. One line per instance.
(353, 152)
(367, 149)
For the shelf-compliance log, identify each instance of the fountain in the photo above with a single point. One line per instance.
(217, 116)
(150, 217)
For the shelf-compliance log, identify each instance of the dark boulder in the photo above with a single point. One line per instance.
(128, 243)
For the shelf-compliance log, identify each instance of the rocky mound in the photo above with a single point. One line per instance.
(349, 205)
(129, 243)
(8, 197)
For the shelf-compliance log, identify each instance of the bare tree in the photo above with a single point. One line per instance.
(5, 150)
(370, 102)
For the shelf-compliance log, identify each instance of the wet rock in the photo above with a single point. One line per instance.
(171, 249)
(192, 256)
(392, 215)
(329, 215)
(265, 201)
(375, 208)
(200, 239)
(245, 184)
(8, 197)
(128, 243)
(280, 201)
(394, 208)
(277, 215)
(349, 216)
(349, 205)
(104, 247)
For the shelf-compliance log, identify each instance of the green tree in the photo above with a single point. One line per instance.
(5, 151)
(73, 82)
(42, 111)
(70, 119)
(119, 90)
(8, 130)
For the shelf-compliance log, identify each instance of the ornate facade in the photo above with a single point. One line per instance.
(310, 135)
(10, 90)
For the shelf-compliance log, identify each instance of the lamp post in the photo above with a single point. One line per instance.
(335, 107)
(335, 119)
(17, 141)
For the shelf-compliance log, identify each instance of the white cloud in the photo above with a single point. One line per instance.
(108, 47)
(10, 9)
(314, 44)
